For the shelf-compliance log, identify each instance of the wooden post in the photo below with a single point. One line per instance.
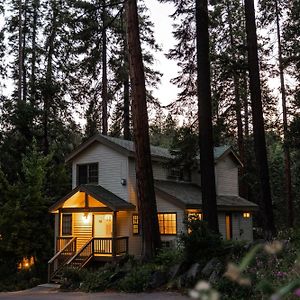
(114, 234)
(86, 201)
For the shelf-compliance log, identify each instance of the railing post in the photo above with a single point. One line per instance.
(114, 235)
(127, 246)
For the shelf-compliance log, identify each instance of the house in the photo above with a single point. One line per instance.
(98, 219)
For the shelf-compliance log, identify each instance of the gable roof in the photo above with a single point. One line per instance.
(127, 148)
(188, 195)
(112, 201)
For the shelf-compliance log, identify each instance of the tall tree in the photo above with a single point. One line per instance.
(207, 166)
(144, 173)
(265, 201)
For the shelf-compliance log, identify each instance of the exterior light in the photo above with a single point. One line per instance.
(26, 263)
(86, 218)
(246, 215)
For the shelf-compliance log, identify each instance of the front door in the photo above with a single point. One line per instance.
(103, 225)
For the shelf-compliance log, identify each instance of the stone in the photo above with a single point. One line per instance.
(174, 271)
(212, 265)
(157, 279)
(193, 271)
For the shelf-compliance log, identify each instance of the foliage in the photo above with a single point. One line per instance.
(137, 280)
(168, 257)
(199, 243)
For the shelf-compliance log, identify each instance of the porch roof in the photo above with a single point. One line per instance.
(112, 201)
(188, 195)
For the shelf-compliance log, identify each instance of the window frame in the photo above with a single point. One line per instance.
(167, 213)
(133, 224)
(87, 165)
(62, 224)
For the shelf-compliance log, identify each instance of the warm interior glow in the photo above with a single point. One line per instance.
(108, 218)
(86, 218)
(194, 213)
(167, 223)
(246, 215)
(228, 227)
(26, 263)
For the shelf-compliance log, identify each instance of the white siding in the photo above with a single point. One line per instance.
(160, 171)
(226, 177)
(113, 167)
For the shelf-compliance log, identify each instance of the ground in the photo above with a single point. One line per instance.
(52, 293)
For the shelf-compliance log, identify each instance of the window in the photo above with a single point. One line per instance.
(66, 227)
(87, 173)
(167, 223)
(246, 215)
(135, 224)
(179, 173)
(195, 214)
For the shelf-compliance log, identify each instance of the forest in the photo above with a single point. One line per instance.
(67, 70)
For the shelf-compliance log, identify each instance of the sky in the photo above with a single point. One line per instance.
(159, 14)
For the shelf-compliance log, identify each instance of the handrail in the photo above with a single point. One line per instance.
(57, 262)
(62, 241)
(62, 250)
(84, 250)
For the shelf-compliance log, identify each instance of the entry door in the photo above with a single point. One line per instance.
(103, 225)
(228, 224)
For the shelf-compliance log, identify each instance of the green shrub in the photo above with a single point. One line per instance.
(199, 243)
(96, 281)
(168, 257)
(137, 280)
(72, 278)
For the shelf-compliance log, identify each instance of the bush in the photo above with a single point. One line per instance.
(137, 280)
(72, 278)
(199, 243)
(168, 257)
(96, 281)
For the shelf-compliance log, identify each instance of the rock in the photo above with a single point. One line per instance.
(174, 271)
(193, 271)
(212, 265)
(157, 279)
(214, 276)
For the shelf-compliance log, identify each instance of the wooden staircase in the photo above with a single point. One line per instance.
(67, 257)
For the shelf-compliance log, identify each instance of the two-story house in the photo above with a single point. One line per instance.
(99, 219)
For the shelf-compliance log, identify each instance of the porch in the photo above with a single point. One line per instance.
(89, 226)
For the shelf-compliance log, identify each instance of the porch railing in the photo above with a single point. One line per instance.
(61, 242)
(110, 246)
(58, 261)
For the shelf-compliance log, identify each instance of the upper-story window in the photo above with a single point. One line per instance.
(87, 173)
(178, 173)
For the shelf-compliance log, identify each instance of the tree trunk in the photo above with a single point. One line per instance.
(144, 173)
(126, 116)
(104, 72)
(25, 29)
(207, 165)
(33, 60)
(48, 90)
(20, 54)
(265, 201)
(236, 84)
(286, 149)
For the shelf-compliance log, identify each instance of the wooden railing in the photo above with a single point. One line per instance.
(82, 257)
(111, 246)
(61, 242)
(58, 261)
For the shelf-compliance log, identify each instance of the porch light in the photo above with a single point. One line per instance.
(86, 218)
(246, 215)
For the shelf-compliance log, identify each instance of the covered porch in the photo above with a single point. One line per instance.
(86, 228)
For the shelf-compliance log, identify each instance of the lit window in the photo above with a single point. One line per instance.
(66, 228)
(194, 214)
(167, 223)
(135, 224)
(246, 215)
(228, 226)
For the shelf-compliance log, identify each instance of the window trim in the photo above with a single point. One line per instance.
(168, 213)
(138, 224)
(87, 172)
(62, 218)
